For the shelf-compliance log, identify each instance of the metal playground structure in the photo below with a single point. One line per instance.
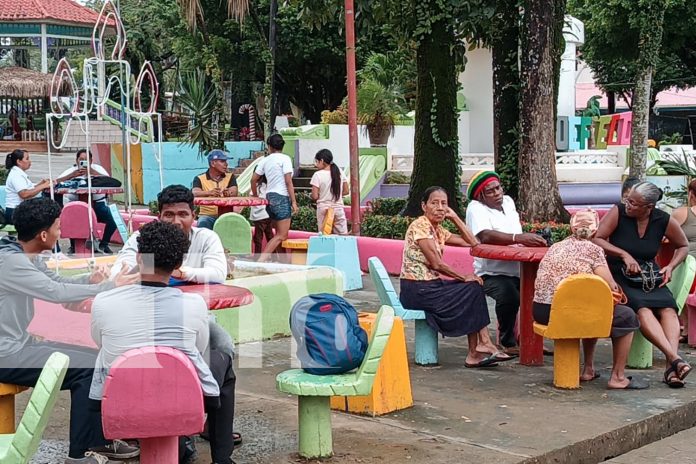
(106, 74)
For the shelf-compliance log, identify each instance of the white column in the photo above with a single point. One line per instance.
(44, 50)
(574, 35)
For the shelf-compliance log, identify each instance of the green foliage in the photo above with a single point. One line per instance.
(674, 139)
(200, 99)
(305, 219)
(153, 206)
(338, 116)
(303, 199)
(379, 105)
(3, 175)
(592, 109)
(387, 206)
(379, 226)
(393, 69)
(557, 231)
(394, 177)
(613, 35)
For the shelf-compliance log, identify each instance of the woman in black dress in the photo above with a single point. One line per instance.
(631, 235)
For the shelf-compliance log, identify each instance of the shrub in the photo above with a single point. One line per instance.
(394, 177)
(3, 176)
(380, 226)
(303, 199)
(339, 116)
(554, 230)
(153, 206)
(387, 206)
(305, 219)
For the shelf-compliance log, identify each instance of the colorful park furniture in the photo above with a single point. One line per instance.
(74, 224)
(7, 406)
(641, 354)
(19, 447)
(314, 391)
(298, 246)
(168, 403)
(340, 252)
(426, 337)
(531, 345)
(227, 204)
(582, 307)
(391, 390)
(234, 232)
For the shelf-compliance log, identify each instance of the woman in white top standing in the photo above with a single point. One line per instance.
(280, 193)
(329, 186)
(18, 186)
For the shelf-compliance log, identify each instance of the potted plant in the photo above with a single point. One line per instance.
(379, 106)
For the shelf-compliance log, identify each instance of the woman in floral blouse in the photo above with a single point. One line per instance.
(578, 255)
(454, 306)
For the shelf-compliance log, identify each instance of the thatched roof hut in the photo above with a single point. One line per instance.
(24, 83)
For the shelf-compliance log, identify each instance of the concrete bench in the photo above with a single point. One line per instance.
(426, 337)
(74, 224)
(7, 406)
(235, 233)
(315, 391)
(582, 307)
(298, 246)
(168, 403)
(18, 448)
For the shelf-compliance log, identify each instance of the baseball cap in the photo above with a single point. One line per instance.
(217, 155)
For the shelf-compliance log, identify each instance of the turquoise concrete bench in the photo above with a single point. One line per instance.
(19, 447)
(314, 392)
(641, 354)
(426, 337)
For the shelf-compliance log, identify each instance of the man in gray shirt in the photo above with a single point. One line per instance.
(22, 357)
(152, 314)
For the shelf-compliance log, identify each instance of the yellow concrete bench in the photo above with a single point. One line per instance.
(391, 390)
(582, 307)
(7, 406)
(298, 246)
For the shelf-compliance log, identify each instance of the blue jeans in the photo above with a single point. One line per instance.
(206, 222)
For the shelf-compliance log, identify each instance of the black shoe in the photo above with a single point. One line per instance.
(71, 250)
(104, 248)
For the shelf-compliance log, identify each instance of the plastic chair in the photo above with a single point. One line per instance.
(19, 447)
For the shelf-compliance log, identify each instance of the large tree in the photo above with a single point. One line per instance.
(633, 55)
(539, 197)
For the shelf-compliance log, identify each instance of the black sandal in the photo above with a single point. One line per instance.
(672, 378)
(685, 368)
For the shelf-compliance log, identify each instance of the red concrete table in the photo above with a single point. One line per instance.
(531, 344)
(227, 204)
(217, 296)
(83, 192)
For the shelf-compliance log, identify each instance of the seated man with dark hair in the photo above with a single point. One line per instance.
(22, 357)
(154, 314)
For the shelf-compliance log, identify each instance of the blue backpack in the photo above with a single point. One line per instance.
(328, 335)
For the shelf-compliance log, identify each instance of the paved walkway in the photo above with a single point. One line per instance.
(679, 448)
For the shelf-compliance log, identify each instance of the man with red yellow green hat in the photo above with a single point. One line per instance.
(492, 217)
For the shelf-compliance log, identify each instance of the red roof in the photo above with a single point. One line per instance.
(53, 11)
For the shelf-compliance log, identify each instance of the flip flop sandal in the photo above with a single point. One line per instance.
(672, 379)
(488, 361)
(594, 377)
(684, 371)
(505, 357)
(633, 384)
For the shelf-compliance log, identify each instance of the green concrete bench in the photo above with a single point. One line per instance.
(19, 447)
(426, 337)
(641, 354)
(314, 392)
(234, 232)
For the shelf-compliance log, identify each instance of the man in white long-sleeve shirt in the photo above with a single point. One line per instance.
(205, 261)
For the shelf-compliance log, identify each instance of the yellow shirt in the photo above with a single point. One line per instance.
(415, 266)
(207, 183)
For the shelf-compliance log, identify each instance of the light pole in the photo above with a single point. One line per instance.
(352, 118)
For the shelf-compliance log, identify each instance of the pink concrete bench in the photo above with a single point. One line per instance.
(74, 224)
(168, 403)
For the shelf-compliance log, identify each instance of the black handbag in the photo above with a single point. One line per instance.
(648, 278)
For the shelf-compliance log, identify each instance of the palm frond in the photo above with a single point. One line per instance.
(237, 9)
(193, 12)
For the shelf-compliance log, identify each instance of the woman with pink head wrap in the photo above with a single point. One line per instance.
(578, 255)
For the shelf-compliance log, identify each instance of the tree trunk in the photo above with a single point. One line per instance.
(539, 199)
(651, 22)
(506, 93)
(436, 157)
(611, 102)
